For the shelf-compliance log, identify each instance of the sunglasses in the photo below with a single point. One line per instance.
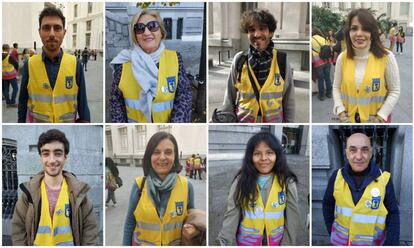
(153, 26)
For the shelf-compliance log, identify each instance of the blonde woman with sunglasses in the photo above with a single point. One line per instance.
(149, 80)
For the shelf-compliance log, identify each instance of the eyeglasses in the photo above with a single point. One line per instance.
(153, 26)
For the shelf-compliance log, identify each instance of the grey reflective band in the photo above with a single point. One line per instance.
(161, 106)
(62, 230)
(70, 243)
(44, 229)
(362, 100)
(148, 226)
(40, 98)
(66, 98)
(173, 226)
(135, 104)
(245, 95)
(254, 214)
(270, 95)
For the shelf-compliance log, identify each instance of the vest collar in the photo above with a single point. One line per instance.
(373, 173)
(47, 59)
(361, 53)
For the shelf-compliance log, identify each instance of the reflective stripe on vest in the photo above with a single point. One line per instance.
(258, 218)
(58, 232)
(149, 228)
(8, 71)
(270, 99)
(372, 93)
(59, 104)
(135, 98)
(363, 224)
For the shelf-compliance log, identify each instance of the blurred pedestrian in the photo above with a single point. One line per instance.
(392, 36)
(400, 39)
(85, 58)
(322, 62)
(15, 52)
(111, 173)
(9, 76)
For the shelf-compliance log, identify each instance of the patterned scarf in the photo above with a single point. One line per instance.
(260, 62)
(157, 187)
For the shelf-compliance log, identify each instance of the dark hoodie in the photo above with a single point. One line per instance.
(26, 214)
(392, 222)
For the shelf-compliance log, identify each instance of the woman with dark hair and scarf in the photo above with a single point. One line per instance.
(262, 207)
(366, 84)
(260, 86)
(159, 200)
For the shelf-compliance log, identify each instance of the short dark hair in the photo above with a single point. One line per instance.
(368, 24)
(15, 45)
(51, 11)
(152, 144)
(53, 135)
(259, 16)
(6, 47)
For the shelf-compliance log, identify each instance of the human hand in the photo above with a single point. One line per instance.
(343, 117)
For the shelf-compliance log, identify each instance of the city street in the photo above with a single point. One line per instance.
(115, 216)
(322, 111)
(221, 177)
(217, 83)
(94, 89)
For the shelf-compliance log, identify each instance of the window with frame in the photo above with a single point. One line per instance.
(75, 10)
(75, 27)
(88, 40)
(165, 128)
(74, 41)
(404, 8)
(141, 137)
(123, 135)
(89, 25)
(90, 7)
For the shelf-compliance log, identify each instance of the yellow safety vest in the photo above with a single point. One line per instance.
(258, 218)
(363, 223)
(8, 69)
(372, 93)
(59, 104)
(197, 163)
(149, 228)
(59, 231)
(270, 95)
(135, 100)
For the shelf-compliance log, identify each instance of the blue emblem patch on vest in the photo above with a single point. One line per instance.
(376, 84)
(45, 86)
(67, 210)
(179, 208)
(69, 82)
(375, 202)
(172, 84)
(281, 197)
(277, 79)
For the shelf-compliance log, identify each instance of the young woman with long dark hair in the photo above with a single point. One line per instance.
(366, 83)
(262, 207)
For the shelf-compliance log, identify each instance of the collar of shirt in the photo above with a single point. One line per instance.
(48, 60)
